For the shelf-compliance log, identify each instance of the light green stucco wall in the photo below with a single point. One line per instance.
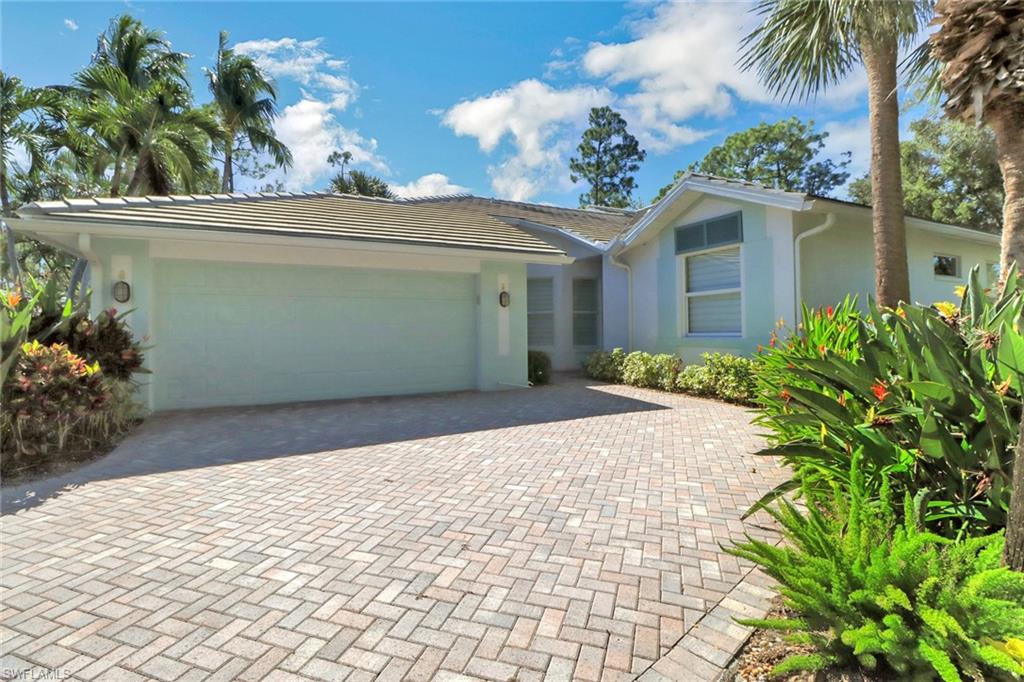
(657, 290)
(238, 333)
(841, 261)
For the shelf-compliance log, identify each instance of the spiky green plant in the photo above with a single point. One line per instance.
(868, 589)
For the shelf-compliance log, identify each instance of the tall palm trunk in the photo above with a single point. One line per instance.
(5, 200)
(115, 178)
(227, 184)
(892, 280)
(1008, 125)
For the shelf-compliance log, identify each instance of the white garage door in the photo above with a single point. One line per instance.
(242, 334)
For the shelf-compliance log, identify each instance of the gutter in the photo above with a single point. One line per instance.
(830, 220)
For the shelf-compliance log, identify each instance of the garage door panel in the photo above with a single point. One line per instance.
(243, 334)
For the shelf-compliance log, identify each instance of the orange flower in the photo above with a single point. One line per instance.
(879, 390)
(822, 349)
(842, 399)
(784, 394)
(13, 298)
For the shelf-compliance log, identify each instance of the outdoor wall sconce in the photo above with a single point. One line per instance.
(122, 291)
(504, 299)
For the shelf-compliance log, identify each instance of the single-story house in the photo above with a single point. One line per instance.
(263, 298)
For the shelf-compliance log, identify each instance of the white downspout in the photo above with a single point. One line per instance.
(830, 220)
(613, 259)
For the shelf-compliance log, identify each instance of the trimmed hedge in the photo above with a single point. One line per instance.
(538, 367)
(725, 377)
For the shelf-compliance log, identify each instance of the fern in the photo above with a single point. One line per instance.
(872, 588)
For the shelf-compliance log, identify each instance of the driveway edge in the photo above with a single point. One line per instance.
(708, 648)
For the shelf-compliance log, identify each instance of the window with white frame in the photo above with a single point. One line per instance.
(584, 312)
(945, 265)
(710, 258)
(992, 272)
(540, 312)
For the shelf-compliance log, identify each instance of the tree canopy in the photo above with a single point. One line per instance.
(950, 175)
(356, 181)
(785, 155)
(608, 157)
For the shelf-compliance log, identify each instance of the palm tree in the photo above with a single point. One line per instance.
(981, 49)
(803, 47)
(245, 100)
(143, 55)
(155, 127)
(22, 125)
(363, 184)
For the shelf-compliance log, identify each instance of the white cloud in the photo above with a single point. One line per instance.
(432, 184)
(309, 128)
(849, 136)
(531, 114)
(71, 24)
(682, 63)
(305, 62)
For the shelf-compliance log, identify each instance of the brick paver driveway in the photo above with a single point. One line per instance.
(570, 531)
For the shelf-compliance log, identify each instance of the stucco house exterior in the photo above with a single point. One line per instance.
(265, 298)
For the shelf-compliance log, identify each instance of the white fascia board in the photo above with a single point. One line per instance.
(719, 189)
(944, 229)
(30, 225)
(597, 247)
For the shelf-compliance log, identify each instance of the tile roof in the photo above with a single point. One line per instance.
(435, 222)
(594, 224)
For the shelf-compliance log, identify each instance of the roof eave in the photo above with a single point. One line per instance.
(787, 200)
(58, 225)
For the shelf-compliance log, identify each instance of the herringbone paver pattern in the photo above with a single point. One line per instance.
(566, 532)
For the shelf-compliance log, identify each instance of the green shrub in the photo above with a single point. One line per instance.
(55, 401)
(107, 340)
(727, 377)
(604, 366)
(930, 396)
(538, 367)
(666, 368)
(640, 369)
(868, 589)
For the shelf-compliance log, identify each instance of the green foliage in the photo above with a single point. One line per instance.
(107, 339)
(363, 184)
(608, 157)
(605, 366)
(930, 397)
(950, 175)
(640, 369)
(870, 590)
(785, 155)
(538, 367)
(727, 377)
(246, 102)
(48, 395)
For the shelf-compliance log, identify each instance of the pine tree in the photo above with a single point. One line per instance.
(609, 155)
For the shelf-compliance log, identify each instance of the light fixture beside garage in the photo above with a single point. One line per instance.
(504, 299)
(122, 291)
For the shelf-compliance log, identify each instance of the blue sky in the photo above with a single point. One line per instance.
(489, 98)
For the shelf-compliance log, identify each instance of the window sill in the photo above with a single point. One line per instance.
(713, 335)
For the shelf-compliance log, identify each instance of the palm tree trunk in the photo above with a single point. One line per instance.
(138, 176)
(115, 178)
(1008, 125)
(5, 200)
(228, 179)
(892, 281)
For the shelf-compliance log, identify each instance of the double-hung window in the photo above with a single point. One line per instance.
(709, 255)
(540, 312)
(584, 313)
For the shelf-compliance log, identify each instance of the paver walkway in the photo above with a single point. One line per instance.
(570, 531)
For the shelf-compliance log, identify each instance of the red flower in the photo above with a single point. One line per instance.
(822, 349)
(829, 311)
(784, 394)
(879, 390)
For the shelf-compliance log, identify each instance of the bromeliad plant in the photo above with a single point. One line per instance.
(930, 395)
(871, 590)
